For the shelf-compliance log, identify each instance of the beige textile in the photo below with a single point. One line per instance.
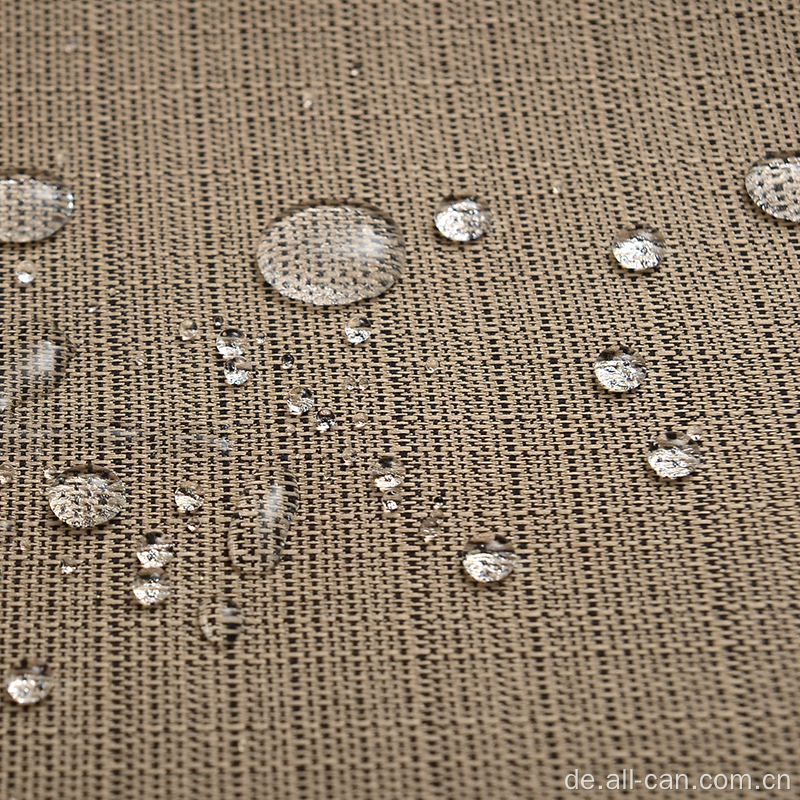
(650, 626)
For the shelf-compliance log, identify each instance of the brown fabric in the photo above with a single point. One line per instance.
(650, 627)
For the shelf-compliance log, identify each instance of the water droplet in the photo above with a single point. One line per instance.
(237, 371)
(555, 189)
(638, 250)
(355, 70)
(461, 220)
(138, 358)
(388, 473)
(349, 456)
(308, 99)
(261, 339)
(32, 207)
(229, 344)
(431, 365)
(85, 495)
(360, 419)
(68, 566)
(188, 330)
(324, 419)
(29, 685)
(188, 498)
(486, 567)
(221, 620)
(264, 512)
(24, 543)
(299, 401)
(31, 364)
(431, 526)
(673, 455)
(774, 186)
(390, 500)
(7, 473)
(356, 382)
(218, 322)
(157, 555)
(331, 255)
(25, 272)
(618, 369)
(151, 589)
(357, 329)
(71, 46)
(287, 361)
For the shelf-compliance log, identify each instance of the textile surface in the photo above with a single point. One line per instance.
(651, 625)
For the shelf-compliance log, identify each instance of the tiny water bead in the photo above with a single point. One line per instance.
(619, 369)
(151, 589)
(68, 566)
(237, 371)
(156, 555)
(84, 495)
(431, 526)
(29, 685)
(229, 343)
(388, 473)
(32, 207)
(324, 419)
(360, 419)
(489, 562)
(431, 365)
(7, 473)
(299, 401)
(287, 361)
(188, 498)
(461, 220)
(331, 254)
(25, 272)
(357, 329)
(221, 620)
(774, 186)
(390, 500)
(188, 330)
(258, 531)
(218, 322)
(638, 250)
(673, 455)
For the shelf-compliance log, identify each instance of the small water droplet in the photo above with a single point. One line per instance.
(390, 501)
(221, 620)
(32, 207)
(237, 371)
(431, 365)
(157, 555)
(489, 560)
(29, 685)
(431, 527)
(324, 419)
(264, 512)
(308, 99)
(218, 322)
(70, 46)
(25, 272)
(331, 255)
(618, 369)
(229, 343)
(151, 589)
(638, 250)
(188, 330)
(555, 189)
(355, 70)
(287, 361)
(672, 455)
(360, 419)
(299, 401)
(138, 358)
(260, 339)
(388, 473)
(85, 495)
(68, 566)
(461, 220)
(774, 186)
(357, 329)
(356, 382)
(188, 498)
(7, 473)
(24, 543)
(349, 456)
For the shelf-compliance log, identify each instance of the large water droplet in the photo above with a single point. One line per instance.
(29, 685)
(32, 207)
(638, 250)
(84, 495)
(331, 255)
(237, 371)
(258, 532)
(151, 589)
(221, 620)
(188, 498)
(774, 186)
(25, 272)
(229, 343)
(673, 455)
(461, 220)
(31, 364)
(388, 473)
(357, 329)
(299, 401)
(489, 562)
(619, 369)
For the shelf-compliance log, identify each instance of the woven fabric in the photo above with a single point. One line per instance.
(650, 626)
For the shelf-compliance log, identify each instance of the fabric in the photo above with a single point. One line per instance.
(650, 626)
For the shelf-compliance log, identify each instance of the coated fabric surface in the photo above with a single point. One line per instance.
(650, 626)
